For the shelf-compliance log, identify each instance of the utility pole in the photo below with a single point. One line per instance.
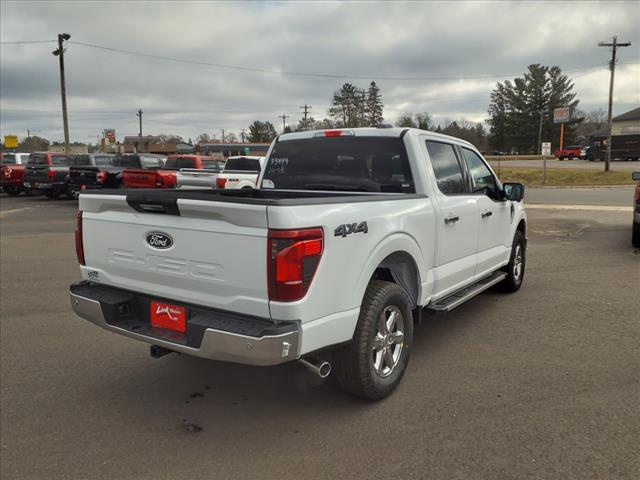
(541, 112)
(242, 135)
(612, 66)
(306, 109)
(139, 115)
(60, 53)
(284, 120)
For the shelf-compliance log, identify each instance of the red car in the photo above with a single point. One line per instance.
(165, 176)
(568, 152)
(12, 172)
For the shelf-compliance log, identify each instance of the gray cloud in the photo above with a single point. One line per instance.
(391, 39)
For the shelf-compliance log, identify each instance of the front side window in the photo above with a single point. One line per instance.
(482, 179)
(103, 160)
(62, 159)
(446, 168)
(83, 160)
(150, 162)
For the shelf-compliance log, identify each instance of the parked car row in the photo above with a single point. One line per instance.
(55, 174)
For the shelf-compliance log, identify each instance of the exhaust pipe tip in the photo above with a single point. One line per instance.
(321, 368)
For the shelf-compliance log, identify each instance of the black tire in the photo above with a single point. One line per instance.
(516, 266)
(354, 364)
(561, 158)
(635, 235)
(13, 191)
(571, 156)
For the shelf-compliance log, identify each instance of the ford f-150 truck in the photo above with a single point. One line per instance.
(352, 235)
(12, 172)
(164, 177)
(240, 172)
(89, 170)
(47, 172)
(205, 177)
(142, 168)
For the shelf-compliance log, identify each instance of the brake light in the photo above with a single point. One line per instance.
(221, 182)
(79, 243)
(335, 133)
(101, 176)
(293, 258)
(51, 175)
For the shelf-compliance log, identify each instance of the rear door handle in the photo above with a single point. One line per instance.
(451, 219)
(486, 213)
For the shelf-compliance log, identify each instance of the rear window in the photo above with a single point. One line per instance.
(176, 163)
(62, 159)
(132, 161)
(8, 159)
(103, 160)
(243, 164)
(37, 159)
(368, 164)
(82, 160)
(216, 165)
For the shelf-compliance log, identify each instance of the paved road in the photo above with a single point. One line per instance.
(615, 196)
(540, 384)
(578, 164)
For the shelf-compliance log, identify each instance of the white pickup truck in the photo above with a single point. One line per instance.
(240, 172)
(351, 237)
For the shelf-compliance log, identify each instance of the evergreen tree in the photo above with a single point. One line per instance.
(261, 132)
(374, 106)
(515, 109)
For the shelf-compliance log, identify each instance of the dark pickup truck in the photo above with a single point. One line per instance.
(46, 173)
(91, 170)
(109, 176)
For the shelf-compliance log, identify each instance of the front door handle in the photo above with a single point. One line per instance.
(486, 213)
(451, 219)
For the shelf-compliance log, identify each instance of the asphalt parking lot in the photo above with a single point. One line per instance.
(543, 384)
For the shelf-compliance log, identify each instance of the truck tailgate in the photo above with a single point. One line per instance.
(216, 255)
(139, 178)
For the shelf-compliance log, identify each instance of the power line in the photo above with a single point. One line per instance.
(314, 74)
(24, 42)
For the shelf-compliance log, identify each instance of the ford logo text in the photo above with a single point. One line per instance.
(159, 240)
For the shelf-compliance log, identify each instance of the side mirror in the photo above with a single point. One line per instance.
(636, 176)
(513, 191)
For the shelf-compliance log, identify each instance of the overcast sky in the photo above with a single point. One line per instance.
(457, 51)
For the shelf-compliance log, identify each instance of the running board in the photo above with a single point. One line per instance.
(458, 298)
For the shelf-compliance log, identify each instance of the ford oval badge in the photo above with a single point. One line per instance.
(159, 240)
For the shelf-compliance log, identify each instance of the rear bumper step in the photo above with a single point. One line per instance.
(209, 333)
(458, 298)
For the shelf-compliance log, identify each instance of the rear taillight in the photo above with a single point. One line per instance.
(221, 182)
(51, 175)
(294, 256)
(79, 243)
(101, 177)
(158, 181)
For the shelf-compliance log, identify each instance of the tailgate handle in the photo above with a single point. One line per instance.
(143, 204)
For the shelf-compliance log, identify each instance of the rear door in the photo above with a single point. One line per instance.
(216, 255)
(457, 222)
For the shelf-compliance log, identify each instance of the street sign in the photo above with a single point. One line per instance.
(10, 141)
(246, 150)
(561, 115)
(546, 148)
(110, 134)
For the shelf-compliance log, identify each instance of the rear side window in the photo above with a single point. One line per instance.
(216, 165)
(9, 159)
(176, 163)
(243, 164)
(62, 159)
(446, 168)
(151, 162)
(366, 164)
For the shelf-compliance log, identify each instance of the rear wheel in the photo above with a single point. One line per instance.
(516, 265)
(12, 191)
(635, 236)
(51, 194)
(571, 156)
(373, 364)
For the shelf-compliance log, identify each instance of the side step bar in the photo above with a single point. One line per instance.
(458, 298)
